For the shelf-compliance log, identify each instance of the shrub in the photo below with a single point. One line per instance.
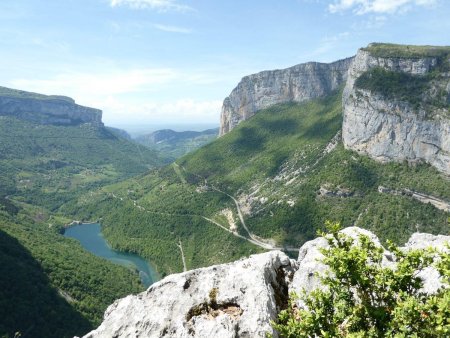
(363, 298)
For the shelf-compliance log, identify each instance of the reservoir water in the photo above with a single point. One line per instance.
(91, 238)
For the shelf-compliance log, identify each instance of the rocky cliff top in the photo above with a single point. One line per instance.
(238, 299)
(295, 84)
(46, 109)
(391, 50)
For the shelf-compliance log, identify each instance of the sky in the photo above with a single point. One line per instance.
(170, 62)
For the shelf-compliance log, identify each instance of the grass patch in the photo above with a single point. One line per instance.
(390, 50)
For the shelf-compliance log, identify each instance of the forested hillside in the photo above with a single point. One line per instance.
(288, 171)
(45, 165)
(50, 286)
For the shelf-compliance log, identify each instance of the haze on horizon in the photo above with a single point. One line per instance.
(172, 62)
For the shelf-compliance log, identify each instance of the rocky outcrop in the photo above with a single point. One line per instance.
(305, 278)
(238, 299)
(295, 84)
(231, 300)
(43, 109)
(421, 197)
(309, 265)
(394, 128)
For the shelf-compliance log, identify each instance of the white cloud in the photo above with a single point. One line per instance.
(327, 44)
(89, 84)
(133, 95)
(185, 110)
(159, 5)
(377, 6)
(59, 46)
(172, 29)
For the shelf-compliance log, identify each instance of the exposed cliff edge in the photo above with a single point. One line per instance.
(238, 299)
(46, 109)
(397, 104)
(295, 84)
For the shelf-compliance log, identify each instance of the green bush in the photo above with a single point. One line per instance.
(394, 85)
(363, 298)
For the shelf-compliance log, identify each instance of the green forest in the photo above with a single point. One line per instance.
(251, 157)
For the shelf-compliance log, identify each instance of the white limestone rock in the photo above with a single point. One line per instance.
(249, 294)
(309, 265)
(238, 299)
(295, 84)
(430, 276)
(420, 240)
(394, 130)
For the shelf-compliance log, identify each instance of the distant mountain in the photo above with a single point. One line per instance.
(397, 104)
(120, 132)
(174, 144)
(45, 109)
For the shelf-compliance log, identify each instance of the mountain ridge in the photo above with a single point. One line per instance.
(294, 84)
(46, 109)
(396, 100)
(174, 144)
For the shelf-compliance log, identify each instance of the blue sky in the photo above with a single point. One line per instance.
(146, 62)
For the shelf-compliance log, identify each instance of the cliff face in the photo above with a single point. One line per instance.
(238, 299)
(396, 107)
(58, 110)
(295, 84)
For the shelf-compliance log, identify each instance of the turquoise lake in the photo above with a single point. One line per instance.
(91, 238)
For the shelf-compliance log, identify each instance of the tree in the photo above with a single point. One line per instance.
(363, 298)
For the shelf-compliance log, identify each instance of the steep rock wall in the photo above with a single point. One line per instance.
(295, 84)
(394, 128)
(44, 109)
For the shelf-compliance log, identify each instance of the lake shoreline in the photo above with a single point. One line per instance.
(90, 236)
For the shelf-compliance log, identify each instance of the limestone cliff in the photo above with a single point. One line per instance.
(46, 109)
(238, 299)
(295, 84)
(397, 104)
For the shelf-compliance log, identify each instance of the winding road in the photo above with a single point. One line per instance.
(252, 238)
